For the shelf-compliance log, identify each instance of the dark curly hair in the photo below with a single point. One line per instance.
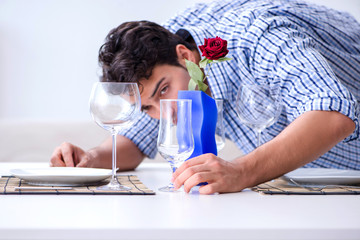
(133, 49)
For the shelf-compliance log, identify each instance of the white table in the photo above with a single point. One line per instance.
(244, 215)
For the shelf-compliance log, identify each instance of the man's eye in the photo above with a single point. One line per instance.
(164, 90)
(145, 108)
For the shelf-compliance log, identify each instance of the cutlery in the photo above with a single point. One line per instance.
(320, 187)
(43, 188)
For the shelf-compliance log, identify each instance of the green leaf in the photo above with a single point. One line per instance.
(192, 85)
(204, 62)
(222, 59)
(194, 70)
(202, 86)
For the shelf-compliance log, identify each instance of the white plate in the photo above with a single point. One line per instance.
(61, 176)
(324, 176)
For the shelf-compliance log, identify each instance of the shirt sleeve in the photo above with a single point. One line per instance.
(144, 134)
(292, 63)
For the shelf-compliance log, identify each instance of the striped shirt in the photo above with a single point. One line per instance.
(308, 54)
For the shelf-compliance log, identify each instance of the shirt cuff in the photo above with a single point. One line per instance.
(346, 107)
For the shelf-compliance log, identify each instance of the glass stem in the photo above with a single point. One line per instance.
(259, 138)
(113, 178)
(173, 168)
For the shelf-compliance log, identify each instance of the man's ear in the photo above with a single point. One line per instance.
(184, 53)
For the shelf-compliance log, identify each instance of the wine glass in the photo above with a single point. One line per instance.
(257, 107)
(175, 139)
(114, 106)
(220, 130)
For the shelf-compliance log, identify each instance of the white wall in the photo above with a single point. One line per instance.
(48, 50)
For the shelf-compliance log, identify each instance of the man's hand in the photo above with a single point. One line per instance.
(69, 155)
(304, 140)
(221, 175)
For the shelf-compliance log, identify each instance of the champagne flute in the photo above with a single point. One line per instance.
(175, 139)
(220, 129)
(257, 108)
(114, 106)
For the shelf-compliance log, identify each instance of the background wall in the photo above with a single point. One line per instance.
(48, 50)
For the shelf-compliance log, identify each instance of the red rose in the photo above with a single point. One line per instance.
(214, 48)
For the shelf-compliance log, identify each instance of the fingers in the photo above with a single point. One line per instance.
(221, 176)
(198, 178)
(67, 151)
(63, 156)
(205, 168)
(210, 188)
(56, 158)
(190, 177)
(189, 163)
(83, 161)
(212, 179)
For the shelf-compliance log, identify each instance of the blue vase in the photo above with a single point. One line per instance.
(204, 117)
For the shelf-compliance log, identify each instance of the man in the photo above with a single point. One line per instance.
(308, 55)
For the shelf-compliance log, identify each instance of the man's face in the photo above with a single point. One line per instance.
(164, 83)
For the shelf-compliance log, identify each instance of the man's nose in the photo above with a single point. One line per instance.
(157, 111)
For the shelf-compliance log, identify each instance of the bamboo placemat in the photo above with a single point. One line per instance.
(9, 183)
(282, 186)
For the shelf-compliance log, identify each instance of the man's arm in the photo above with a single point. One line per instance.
(128, 155)
(304, 140)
